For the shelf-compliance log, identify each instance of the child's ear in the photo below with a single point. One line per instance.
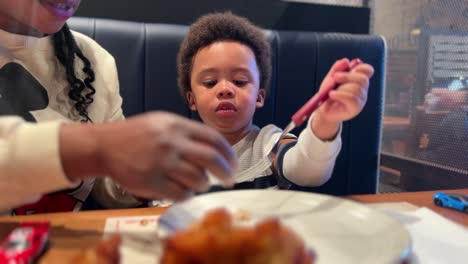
(191, 100)
(260, 98)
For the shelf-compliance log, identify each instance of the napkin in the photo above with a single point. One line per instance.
(131, 224)
(138, 245)
(435, 239)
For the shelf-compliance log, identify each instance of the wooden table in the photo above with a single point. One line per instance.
(395, 124)
(71, 232)
(420, 199)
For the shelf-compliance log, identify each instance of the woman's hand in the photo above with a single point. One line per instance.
(154, 155)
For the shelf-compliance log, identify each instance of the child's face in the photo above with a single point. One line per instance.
(225, 86)
(35, 17)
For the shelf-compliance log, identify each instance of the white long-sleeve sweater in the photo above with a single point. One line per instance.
(308, 161)
(33, 87)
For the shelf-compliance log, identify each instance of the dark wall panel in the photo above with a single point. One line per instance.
(270, 14)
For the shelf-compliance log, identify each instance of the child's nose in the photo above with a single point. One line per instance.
(225, 91)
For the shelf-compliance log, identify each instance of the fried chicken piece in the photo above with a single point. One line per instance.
(215, 239)
(106, 252)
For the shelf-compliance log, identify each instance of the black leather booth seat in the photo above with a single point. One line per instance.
(146, 61)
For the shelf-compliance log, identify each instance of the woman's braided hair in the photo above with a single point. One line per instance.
(81, 91)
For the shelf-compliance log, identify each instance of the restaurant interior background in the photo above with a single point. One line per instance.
(425, 126)
(425, 129)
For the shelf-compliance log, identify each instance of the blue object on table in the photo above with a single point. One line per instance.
(455, 201)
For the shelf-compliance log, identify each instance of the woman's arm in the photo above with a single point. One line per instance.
(30, 162)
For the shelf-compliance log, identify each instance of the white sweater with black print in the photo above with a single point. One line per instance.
(33, 104)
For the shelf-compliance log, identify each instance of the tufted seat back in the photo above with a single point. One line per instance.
(146, 61)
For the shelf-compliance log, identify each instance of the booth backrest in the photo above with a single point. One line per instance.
(146, 60)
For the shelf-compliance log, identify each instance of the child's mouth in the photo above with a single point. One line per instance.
(226, 107)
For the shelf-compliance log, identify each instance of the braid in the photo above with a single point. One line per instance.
(81, 91)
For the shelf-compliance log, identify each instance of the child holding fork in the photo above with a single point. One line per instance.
(224, 70)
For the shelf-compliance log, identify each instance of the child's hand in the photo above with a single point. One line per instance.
(345, 102)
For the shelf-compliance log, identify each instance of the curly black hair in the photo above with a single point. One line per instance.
(216, 27)
(81, 91)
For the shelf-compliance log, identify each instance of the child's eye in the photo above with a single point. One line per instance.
(210, 83)
(240, 83)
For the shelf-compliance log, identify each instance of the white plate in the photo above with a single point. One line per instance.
(337, 229)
